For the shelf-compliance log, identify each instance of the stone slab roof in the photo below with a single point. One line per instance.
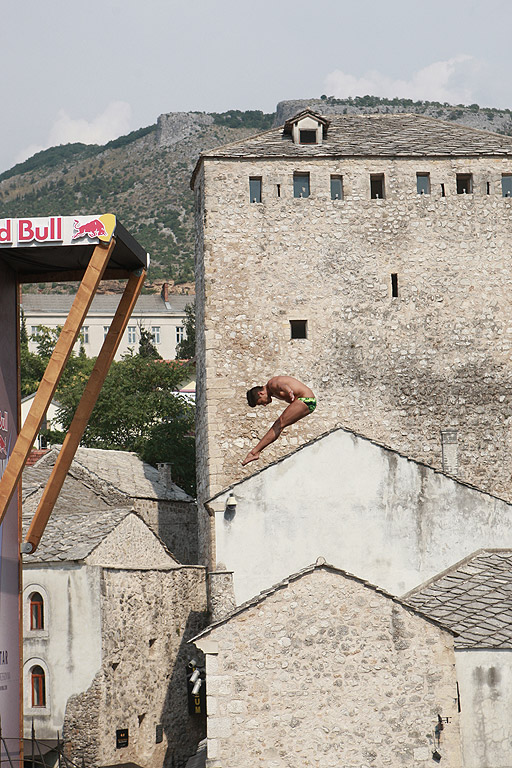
(114, 476)
(42, 303)
(320, 563)
(377, 135)
(473, 598)
(73, 536)
(75, 492)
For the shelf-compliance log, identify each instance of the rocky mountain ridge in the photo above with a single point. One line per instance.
(144, 177)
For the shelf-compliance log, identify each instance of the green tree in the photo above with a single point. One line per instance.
(139, 409)
(147, 348)
(32, 365)
(186, 349)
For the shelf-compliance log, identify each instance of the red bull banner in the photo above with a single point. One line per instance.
(57, 230)
(9, 533)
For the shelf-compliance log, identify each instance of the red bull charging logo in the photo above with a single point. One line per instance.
(94, 228)
(100, 227)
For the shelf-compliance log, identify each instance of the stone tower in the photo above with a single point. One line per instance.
(370, 257)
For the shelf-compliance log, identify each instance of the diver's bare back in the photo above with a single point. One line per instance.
(278, 387)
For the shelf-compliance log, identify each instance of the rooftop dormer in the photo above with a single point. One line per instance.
(307, 127)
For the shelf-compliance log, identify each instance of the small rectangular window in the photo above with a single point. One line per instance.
(180, 333)
(131, 334)
(376, 186)
(255, 189)
(105, 331)
(301, 184)
(336, 187)
(443, 193)
(155, 334)
(464, 183)
(85, 334)
(423, 183)
(307, 137)
(506, 185)
(278, 189)
(394, 285)
(298, 329)
(34, 330)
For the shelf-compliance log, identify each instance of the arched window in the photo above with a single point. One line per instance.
(36, 611)
(38, 687)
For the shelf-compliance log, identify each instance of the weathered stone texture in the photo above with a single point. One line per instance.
(147, 618)
(175, 522)
(81, 729)
(203, 408)
(131, 545)
(398, 370)
(221, 594)
(325, 672)
(157, 611)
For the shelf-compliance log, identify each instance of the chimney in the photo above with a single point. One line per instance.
(165, 472)
(165, 292)
(449, 451)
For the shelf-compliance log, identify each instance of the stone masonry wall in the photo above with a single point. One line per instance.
(328, 672)
(148, 617)
(205, 409)
(175, 522)
(398, 370)
(131, 545)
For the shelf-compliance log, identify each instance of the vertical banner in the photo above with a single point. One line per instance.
(9, 536)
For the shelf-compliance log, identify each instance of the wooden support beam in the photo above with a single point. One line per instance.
(51, 377)
(84, 410)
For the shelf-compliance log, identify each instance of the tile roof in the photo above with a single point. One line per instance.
(378, 135)
(114, 476)
(104, 304)
(320, 563)
(473, 598)
(74, 535)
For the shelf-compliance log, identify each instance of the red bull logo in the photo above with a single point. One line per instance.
(28, 231)
(3, 446)
(94, 228)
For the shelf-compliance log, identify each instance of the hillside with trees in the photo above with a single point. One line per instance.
(144, 177)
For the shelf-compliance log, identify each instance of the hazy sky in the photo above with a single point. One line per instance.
(94, 70)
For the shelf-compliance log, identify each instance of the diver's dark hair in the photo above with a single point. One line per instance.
(252, 395)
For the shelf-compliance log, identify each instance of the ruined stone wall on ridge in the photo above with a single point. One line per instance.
(400, 370)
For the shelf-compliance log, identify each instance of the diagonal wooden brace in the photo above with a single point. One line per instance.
(83, 411)
(51, 378)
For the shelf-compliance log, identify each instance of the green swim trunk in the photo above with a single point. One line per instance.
(310, 402)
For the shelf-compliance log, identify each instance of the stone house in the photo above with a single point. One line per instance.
(369, 257)
(120, 478)
(473, 598)
(389, 519)
(324, 669)
(107, 613)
